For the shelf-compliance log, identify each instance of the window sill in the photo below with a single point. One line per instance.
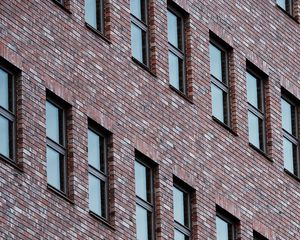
(225, 126)
(59, 193)
(62, 6)
(291, 175)
(11, 163)
(181, 94)
(102, 220)
(98, 33)
(261, 152)
(286, 13)
(143, 66)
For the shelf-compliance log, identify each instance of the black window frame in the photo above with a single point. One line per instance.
(179, 53)
(100, 18)
(259, 112)
(144, 27)
(10, 115)
(148, 206)
(289, 7)
(258, 236)
(230, 219)
(185, 230)
(294, 137)
(60, 148)
(223, 85)
(101, 175)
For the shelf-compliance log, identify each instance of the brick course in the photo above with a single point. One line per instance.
(56, 51)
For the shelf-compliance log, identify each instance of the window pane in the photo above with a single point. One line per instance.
(179, 206)
(141, 181)
(222, 229)
(287, 118)
(52, 122)
(282, 3)
(4, 90)
(173, 29)
(91, 13)
(253, 129)
(217, 103)
(215, 62)
(4, 137)
(95, 150)
(142, 218)
(53, 168)
(138, 44)
(252, 90)
(96, 195)
(175, 72)
(288, 155)
(179, 236)
(136, 9)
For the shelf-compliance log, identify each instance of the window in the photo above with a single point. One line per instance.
(7, 115)
(182, 213)
(177, 76)
(256, 111)
(144, 200)
(225, 225)
(94, 14)
(290, 135)
(258, 236)
(219, 81)
(98, 179)
(139, 31)
(56, 144)
(286, 5)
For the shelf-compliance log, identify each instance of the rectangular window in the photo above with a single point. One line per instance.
(176, 39)
(56, 144)
(139, 31)
(94, 14)
(286, 5)
(256, 110)
(144, 200)
(7, 115)
(258, 236)
(290, 135)
(225, 225)
(98, 179)
(219, 81)
(182, 213)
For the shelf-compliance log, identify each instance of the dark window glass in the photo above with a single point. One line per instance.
(176, 50)
(181, 210)
(94, 14)
(219, 82)
(290, 135)
(139, 31)
(144, 200)
(7, 116)
(258, 236)
(256, 115)
(98, 179)
(56, 145)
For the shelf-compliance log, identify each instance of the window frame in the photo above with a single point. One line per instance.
(102, 176)
(223, 85)
(144, 27)
(148, 206)
(230, 219)
(11, 116)
(260, 114)
(289, 7)
(258, 236)
(186, 231)
(99, 29)
(60, 148)
(179, 53)
(294, 139)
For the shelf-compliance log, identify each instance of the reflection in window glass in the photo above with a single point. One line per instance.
(287, 123)
(140, 181)
(253, 128)
(52, 122)
(174, 70)
(142, 230)
(222, 229)
(136, 8)
(94, 154)
(4, 137)
(172, 29)
(288, 155)
(252, 90)
(137, 36)
(179, 236)
(217, 103)
(4, 90)
(53, 168)
(178, 198)
(91, 13)
(215, 62)
(95, 194)
(282, 4)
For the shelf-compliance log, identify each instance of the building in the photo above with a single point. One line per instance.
(163, 120)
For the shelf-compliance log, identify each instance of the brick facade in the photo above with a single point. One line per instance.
(55, 51)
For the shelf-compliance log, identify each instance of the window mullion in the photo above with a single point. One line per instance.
(219, 84)
(183, 229)
(290, 138)
(139, 23)
(176, 51)
(256, 112)
(55, 146)
(7, 114)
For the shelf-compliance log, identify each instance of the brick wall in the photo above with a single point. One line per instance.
(56, 51)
